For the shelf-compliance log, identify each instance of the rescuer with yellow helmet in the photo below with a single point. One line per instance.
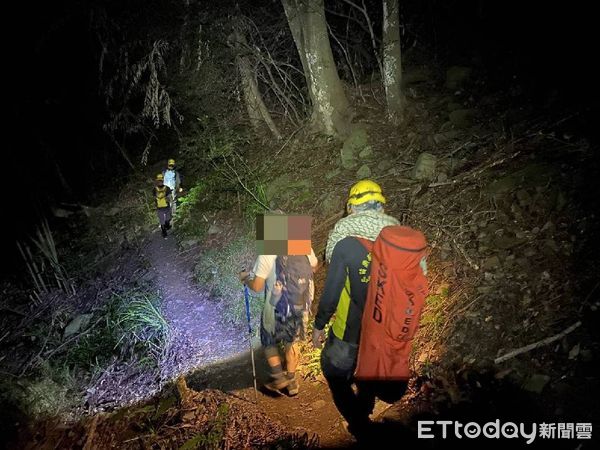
(172, 178)
(162, 198)
(344, 297)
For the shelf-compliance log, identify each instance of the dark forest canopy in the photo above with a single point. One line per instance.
(69, 86)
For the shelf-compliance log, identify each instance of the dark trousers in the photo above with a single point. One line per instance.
(164, 215)
(338, 361)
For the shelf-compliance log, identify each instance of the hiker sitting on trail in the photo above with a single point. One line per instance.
(350, 285)
(287, 283)
(173, 180)
(162, 199)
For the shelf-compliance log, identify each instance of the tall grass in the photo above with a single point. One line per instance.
(43, 265)
(140, 321)
(132, 327)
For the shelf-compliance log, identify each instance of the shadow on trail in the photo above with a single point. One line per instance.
(232, 374)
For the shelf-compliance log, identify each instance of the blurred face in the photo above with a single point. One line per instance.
(170, 166)
(159, 183)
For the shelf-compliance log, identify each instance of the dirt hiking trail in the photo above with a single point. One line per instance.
(217, 353)
(189, 311)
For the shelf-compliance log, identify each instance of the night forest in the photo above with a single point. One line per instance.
(145, 141)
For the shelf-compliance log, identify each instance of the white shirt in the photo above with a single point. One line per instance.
(264, 267)
(171, 179)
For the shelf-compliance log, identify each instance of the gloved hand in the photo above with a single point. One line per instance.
(318, 337)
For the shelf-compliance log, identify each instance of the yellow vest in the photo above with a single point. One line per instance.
(162, 200)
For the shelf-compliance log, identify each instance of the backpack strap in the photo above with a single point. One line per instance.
(283, 306)
(280, 263)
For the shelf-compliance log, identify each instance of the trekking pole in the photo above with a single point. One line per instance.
(247, 298)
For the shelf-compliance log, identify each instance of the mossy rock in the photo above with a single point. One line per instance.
(332, 203)
(353, 146)
(366, 153)
(363, 172)
(80, 322)
(384, 165)
(446, 136)
(284, 190)
(532, 175)
(348, 158)
(425, 167)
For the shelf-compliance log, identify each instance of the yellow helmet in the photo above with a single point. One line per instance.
(160, 177)
(365, 191)
(171, 162)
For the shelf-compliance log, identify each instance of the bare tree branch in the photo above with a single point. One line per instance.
(363, 11)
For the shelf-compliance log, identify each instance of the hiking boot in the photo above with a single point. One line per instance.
(293, 387)
(277, 384)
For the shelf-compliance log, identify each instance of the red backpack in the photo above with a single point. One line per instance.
(395, 298)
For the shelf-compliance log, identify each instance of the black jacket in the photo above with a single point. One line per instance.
(345, 290)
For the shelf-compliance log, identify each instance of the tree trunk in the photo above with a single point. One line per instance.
(331, 113)
(392, 61)
(257, 111)
(295, 22)
(183, 57)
